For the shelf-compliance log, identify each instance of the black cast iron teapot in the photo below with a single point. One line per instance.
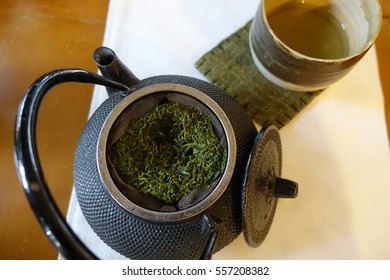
(242, 199)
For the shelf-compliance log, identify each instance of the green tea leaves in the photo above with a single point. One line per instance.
(169, 152)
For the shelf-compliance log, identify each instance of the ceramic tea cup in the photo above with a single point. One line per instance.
(306, 45)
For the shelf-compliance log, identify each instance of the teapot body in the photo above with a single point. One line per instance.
(138, 237)
(242, 198)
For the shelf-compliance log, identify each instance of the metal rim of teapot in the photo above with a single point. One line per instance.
(201, 206)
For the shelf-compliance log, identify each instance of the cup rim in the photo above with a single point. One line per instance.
(299, 55)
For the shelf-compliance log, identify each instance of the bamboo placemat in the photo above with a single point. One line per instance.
(229, 66)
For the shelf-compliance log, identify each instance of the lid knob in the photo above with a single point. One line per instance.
(285, 188)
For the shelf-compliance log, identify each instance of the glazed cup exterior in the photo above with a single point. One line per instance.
(295, 71)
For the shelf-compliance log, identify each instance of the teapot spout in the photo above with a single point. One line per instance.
(113, 68)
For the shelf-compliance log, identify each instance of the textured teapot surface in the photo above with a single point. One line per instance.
(138, 238)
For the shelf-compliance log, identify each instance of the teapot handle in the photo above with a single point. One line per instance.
(29, 167)
(31, 175)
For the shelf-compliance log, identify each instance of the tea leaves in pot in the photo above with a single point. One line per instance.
(169, 152)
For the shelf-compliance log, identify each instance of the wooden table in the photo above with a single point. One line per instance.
(36, 37)
(383, 51)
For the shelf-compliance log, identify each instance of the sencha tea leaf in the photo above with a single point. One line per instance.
(169, 152)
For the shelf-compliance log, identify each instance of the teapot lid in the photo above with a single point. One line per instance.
(263, 186)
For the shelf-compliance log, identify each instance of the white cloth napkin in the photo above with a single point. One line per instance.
(336, 148)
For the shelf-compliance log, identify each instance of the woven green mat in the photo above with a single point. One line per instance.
(229, 66)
